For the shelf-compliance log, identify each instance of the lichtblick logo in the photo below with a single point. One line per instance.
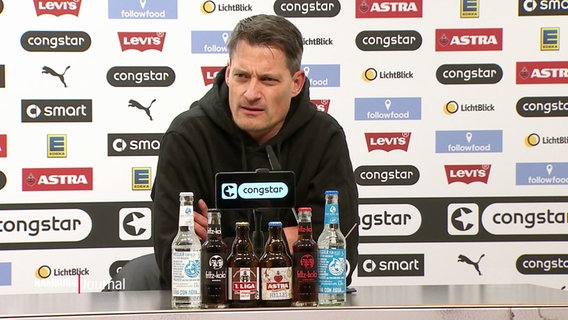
(57, 110)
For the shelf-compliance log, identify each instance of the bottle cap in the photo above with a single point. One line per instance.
(241, 224)
(275, 224)
(331, 192)
(305, 209)
(186, 194)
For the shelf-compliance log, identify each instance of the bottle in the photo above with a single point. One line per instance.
(243, 270)
(331, 255)
(305, 266)
(276, 269)
(214, 264)
(186, 255)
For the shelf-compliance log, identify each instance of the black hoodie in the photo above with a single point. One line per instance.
(204, 140)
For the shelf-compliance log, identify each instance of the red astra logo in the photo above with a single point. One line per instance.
(542, 72)
(388, 141)
(468, 173)
(321, 104)
(209, 74)
(57, 179)
(57, 7)
(388, 8)
(3, 146)
(142, 41)
(469, 39)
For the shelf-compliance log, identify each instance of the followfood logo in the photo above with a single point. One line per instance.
(542, 173)
(5, 267)
(469, 8)
(542, 264)
(387, 141)
(57, 110)
(543, 107)
(488, 39)
(142, 41)
(307, 8)
(388, 9)
(209, 41)
(543, 7)
(141, 178)
(254, 190)
(549, 39)
(535, 139)
(209, 73)
(540, 218)
(391, 265)
(395, 40)
(141, 76)
(399, 175)
(322, 104)
(57, 179)
(57, 146)
(209, 7)
(388, 108)
(142, 9)
(323, 75)
(135, 224)
(389, 220)
(473, 141)
(463, 219)
(133, 144)
(467, 173)
(55, 41)
(542, 72)
(452, 107)
(3, 146)
(469, 73)
(57, 7)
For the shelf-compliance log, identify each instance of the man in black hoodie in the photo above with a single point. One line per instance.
(259, 105)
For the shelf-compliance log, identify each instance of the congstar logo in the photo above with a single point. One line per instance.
(387, 40)
(469, 73)
(307, 8)
(55, 41)
(141, 76)
(543, 107)
(399, 175)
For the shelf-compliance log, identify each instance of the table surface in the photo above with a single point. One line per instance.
(401, 302)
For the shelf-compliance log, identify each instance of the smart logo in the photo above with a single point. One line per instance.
(388, 9)
(133, 144)
(57, 110)
(387, 141)
(467, 173)
(549, 39)
(55, 41)
(474, 141)
(209, 41)
(209, 73)
(401, 40)
(542, 173)
(5, 267)
(388, 108)
(142, 9)
(322, 75)
(141, 76)
(3, 146)
(391, 265)
(463, 219)
(469, 74)
(543, 7)
(543, 107)
(135, 224)
(469, 8)
(57, 7)
(398, 175)
(321, 104)
(307, 8)
(142, 41)
(57, 179)
(141, 178)
(57, 146)
(488, 39)
(542, 72)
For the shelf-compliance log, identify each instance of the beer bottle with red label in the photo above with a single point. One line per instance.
(243, 270)
(276, 269)
(305, 257)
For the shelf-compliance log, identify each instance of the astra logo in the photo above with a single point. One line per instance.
(543, 107)
(542, 173)
(3, 146)
(55, 41)
(141, 41)
(463, 219)
(136, 223)
(307, 8)
(57, 110)
(209, 74)
(542, 72)
(57, 146)
(388, 108)
(469, 8)
(321, 104)
(133, 144)
(142, 9)
(549, 39)
(57, 7)
(322, 75)
(208, 7)
(209, 41)
(391, 265)
(141, 178)
(388, 141)
(141, 76)
(402, 40)
(452, 107)
(469, 39)
(57, 179)
(543, 7)
(387, 175)
(469, 73)
(388, 9)
(473, 141)
(467, 173)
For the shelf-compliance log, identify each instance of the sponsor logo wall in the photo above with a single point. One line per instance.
(454, 111)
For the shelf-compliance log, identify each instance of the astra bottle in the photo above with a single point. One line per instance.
(276, 269)
(243, 271)
(214, 264)
(305, 284)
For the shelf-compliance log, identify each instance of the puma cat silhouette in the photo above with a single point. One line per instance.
(137, 105)
(462, 258)
(50, 71)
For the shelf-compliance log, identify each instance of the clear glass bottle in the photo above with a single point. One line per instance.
(186, 257)
(305, 266)
(243, 270)
(214, 264)
(276, 269)
(331, 255)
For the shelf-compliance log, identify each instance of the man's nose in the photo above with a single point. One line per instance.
(253, 89)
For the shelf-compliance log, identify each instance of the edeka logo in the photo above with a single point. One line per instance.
(543, 7)
(541, 173)
(488, 39)
(549, 39)
(542, 72)
(136, 224)
(399, 175)
(389, 220)
(57, 146)
(472, 141)
(158, 76)
(322, 104)
(141, 178)
(322, 75)
(2, 76)
(541, 218)
(57, 7)
(142, 9)
(142, 41)
(387, 141)
(452, 107)
(469, 73)
(209, 73)
(307, 8)
(5, 267)
(396, 40)
(55, 41)
(388, 108)
(133, 144)
(3, 146)
(469, 8)
(391, 265)
(543, 107)
(388, 9)
(57, 110)
(209, 41)
(57, 179)
(467, 173)
(463, 219)
(542, 264)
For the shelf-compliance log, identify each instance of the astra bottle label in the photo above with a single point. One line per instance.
(243, 284)
(305, 270)
(332, 271)
(186, 275)
(276, 283)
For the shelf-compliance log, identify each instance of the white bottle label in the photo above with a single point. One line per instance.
(186, 273)
(332, 271)
(276, 283)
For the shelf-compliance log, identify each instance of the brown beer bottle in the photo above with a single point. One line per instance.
(276, 269)
(305, 257)
(243, 270)
(214, 264)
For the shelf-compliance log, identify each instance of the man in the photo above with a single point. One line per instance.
(257, 115)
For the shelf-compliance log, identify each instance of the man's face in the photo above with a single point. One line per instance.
(260, 89)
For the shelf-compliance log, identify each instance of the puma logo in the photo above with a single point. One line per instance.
(137, 105)
(50, 71)
(462, 258)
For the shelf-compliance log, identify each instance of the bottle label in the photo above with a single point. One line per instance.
(331, 213)
(276, 283)
(186, 216)
(186, 273)
(243, 284)
(331, 271)
(215, 271)
(305, 267)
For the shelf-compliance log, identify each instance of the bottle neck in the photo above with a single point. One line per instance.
(214, 226)
(186, 216)
(305, 230)
(242, 243)
(275, 244)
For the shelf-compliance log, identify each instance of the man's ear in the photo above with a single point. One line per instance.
(298, 80)
(228, 72)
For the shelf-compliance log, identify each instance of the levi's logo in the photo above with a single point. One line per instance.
(142, 41)
(209, 74)
(469, 39)
(542, 72)
(57, 7)
(389, 9)
(321, 104)
(388, 141)
(57, 179)
(468, 173)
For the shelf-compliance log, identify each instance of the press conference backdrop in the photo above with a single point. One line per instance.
(454, 111)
